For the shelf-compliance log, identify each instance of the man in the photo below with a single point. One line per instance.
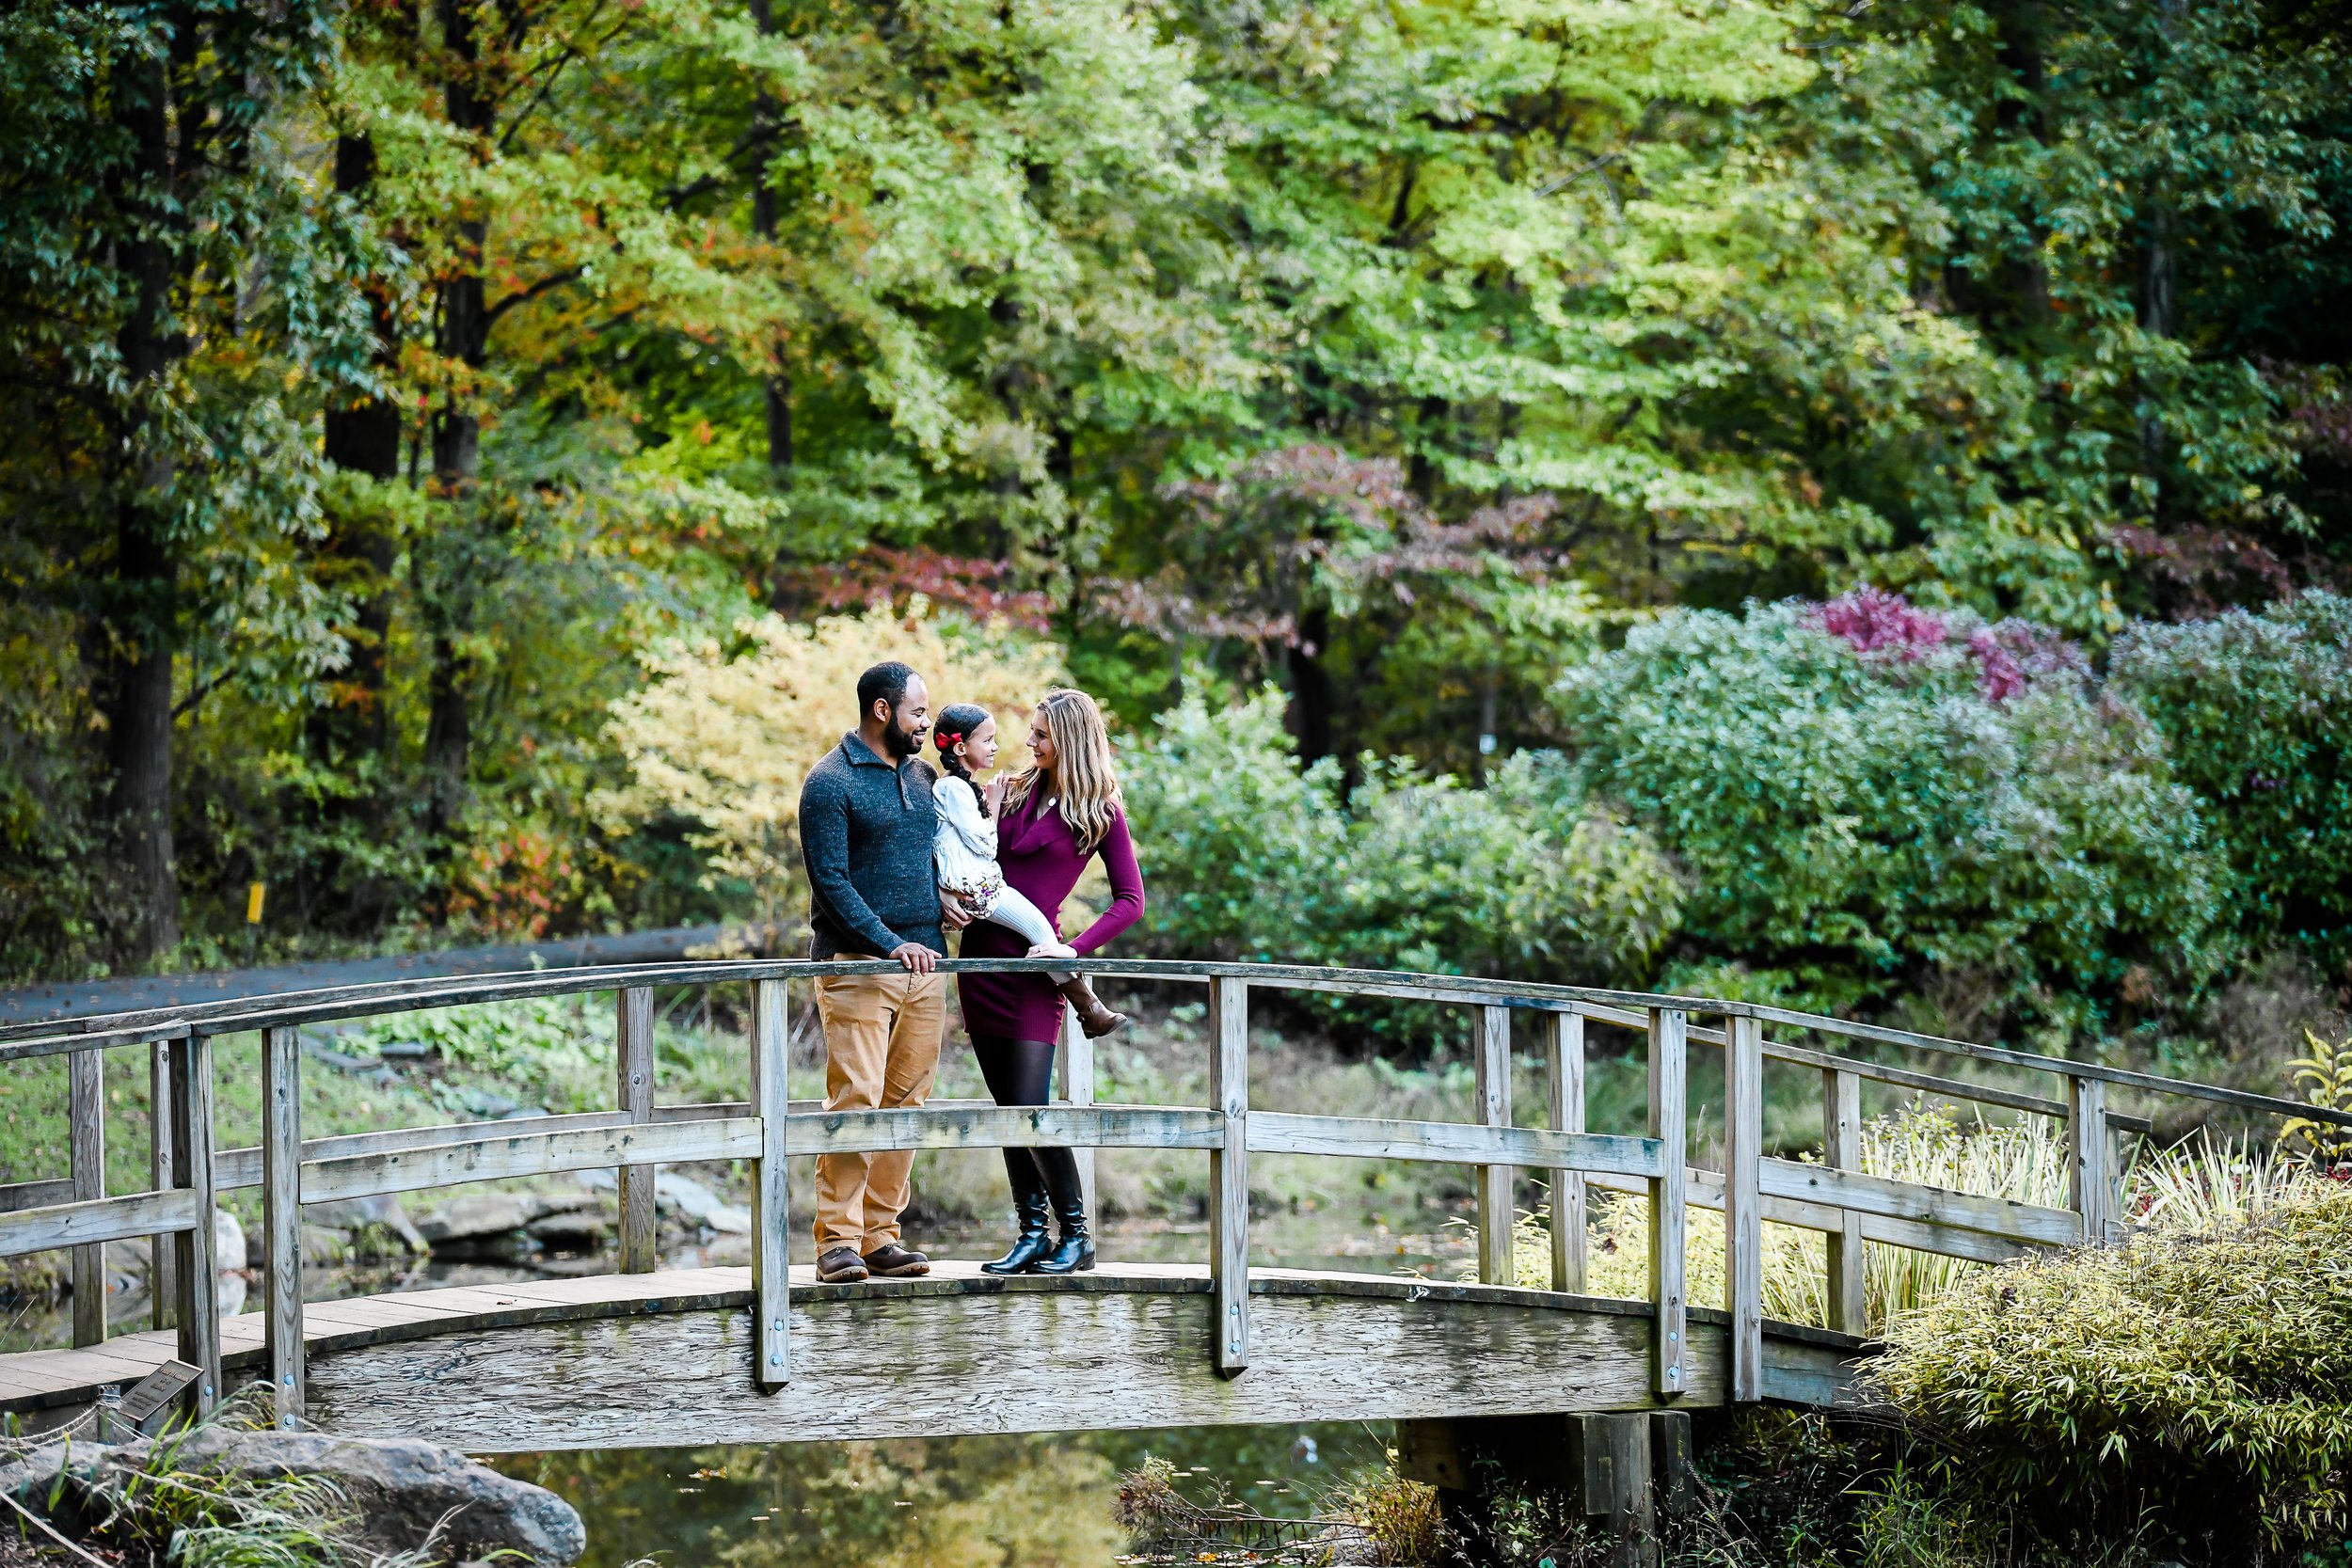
(867, 824)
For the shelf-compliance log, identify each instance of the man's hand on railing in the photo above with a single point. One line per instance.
(918, 959)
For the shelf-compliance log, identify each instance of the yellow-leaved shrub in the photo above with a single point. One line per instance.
(725, 729)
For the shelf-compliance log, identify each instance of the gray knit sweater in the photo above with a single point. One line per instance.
(866, 838)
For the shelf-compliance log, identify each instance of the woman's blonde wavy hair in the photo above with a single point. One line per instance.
(1082, 772)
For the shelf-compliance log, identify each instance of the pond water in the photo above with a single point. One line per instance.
(1029, 1502)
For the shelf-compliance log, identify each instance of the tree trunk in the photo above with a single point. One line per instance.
(1310, 687)
(362, 437)
(138, 607)
(464, 336)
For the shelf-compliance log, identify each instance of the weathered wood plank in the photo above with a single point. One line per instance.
(1005, 1127)
(86, 1143)
(2090, 1173)
(1703, 1189)
(1563, 1076)
(163, 1255)
(236, 1168)
(1451, 1143)
(196, 1265)
(1229, 1346)
(999, 1361)
(1841, 1150)
(771, 1209)
(281, 1219)
(1743, 1204)
(1907, 1200)
(94, 1223)
(1672, 1370)
(23, 1041)
(512, 1149)
(635, 1231)
(1491, 1087)
(35, 1194)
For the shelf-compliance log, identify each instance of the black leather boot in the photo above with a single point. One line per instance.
(1031, 1207)
(1074, 1252)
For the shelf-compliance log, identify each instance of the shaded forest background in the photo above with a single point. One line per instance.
(1841, 503)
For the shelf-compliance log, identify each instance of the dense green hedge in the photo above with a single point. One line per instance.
(1855, 804)
(2257, 710)
(1872, 800)
(2195, 1385)
(1251, 856)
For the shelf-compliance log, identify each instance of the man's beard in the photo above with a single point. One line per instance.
(898, 741)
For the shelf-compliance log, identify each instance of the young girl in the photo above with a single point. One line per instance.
(964, 853)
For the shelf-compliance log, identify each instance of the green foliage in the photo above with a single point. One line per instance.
(2199, 1374)
(1251, 855)
(2257, 712)
(2324, 1079)
(1872, 821)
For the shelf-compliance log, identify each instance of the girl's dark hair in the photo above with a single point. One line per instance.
(955, 724)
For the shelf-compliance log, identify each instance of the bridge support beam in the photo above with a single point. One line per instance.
(1619, 1472)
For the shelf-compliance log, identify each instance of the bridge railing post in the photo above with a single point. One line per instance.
(1669, 1052)
(2091, 1166)
(282, 1218)
(1496, 1263)
(635, 1183)
(195, 1270)
(1841, 1150)
(1564, 1079)
(1743, 1203)
(771, 1220)
(1077, 1089)
(1229, 1176)
(86, 1142)
(163, 1293)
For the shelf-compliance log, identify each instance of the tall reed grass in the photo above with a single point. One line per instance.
(2201, 1183)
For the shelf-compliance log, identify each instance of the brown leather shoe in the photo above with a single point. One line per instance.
(892, 1261)
(840, 1265)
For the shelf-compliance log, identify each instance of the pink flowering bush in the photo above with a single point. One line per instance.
(1872, 800)
(1875, 621)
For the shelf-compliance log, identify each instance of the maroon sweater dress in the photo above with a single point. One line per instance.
(1039, 856)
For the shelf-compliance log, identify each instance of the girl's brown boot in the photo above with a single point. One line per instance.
(1094, 1018)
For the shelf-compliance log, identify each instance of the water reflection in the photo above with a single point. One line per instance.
(939, 1502)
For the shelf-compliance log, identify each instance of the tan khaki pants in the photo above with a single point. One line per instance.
(883, 1033)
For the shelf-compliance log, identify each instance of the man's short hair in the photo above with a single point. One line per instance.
(885, 682)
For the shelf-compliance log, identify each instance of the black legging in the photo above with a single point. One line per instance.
(1021, 1072)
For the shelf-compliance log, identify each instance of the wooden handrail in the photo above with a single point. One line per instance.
(638, 1135)
(328, 1004)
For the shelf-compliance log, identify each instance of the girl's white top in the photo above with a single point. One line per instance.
(964, 850)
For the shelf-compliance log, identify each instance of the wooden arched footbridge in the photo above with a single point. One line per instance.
(646, 1356)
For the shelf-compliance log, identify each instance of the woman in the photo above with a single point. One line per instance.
(1059, 812)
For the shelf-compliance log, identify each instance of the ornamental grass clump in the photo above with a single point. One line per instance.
(2204, 1372)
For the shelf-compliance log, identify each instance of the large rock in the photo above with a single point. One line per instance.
(697, 1204)
(403, 1489)
(229, 1249)
(377, 1225)
(477, 1217)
